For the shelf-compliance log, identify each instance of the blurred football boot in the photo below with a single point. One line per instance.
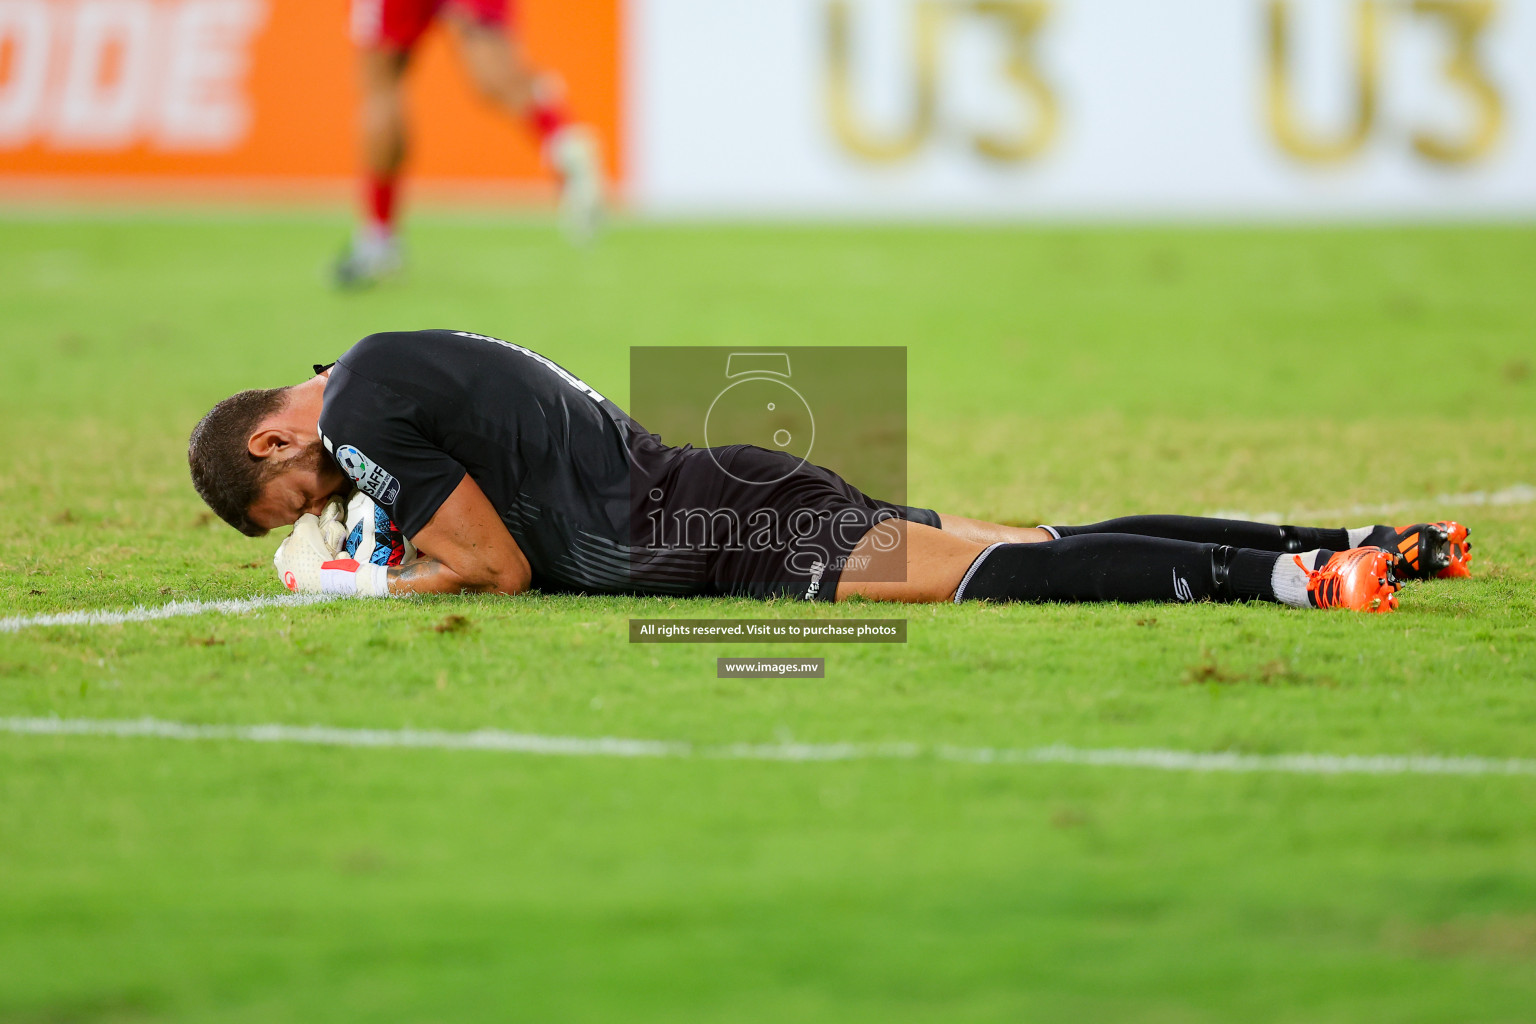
(1430, 550)
(374, 256)
(573, 154)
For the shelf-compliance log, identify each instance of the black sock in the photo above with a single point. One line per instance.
(1118, 567)
(1259, 536)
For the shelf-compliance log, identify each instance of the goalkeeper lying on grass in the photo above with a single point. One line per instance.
(507, 472)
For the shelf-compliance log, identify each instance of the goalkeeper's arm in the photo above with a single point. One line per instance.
(465, 548)
(427, 575)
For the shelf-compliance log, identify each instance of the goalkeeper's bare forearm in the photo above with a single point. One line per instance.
(429, 576)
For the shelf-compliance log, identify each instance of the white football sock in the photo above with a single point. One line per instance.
(1289, 580)
(1357, 537)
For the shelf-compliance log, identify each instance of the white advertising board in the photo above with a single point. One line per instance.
(1073, 108)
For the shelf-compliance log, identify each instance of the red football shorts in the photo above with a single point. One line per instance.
(397, 24)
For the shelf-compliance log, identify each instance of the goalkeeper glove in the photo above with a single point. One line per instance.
(369, 535)
(307, 564)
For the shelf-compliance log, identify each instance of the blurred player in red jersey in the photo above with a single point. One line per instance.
(386, 32)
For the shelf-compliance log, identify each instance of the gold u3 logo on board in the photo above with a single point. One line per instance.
(1465, 22)
(1019, 21)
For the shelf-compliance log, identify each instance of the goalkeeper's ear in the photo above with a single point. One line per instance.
(270, 441)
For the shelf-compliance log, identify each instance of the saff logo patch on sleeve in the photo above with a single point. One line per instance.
(371, 478)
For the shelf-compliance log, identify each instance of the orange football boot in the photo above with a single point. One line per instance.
(1429, 550)
(1361, 579)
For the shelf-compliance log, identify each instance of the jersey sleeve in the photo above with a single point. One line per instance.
(379, 441)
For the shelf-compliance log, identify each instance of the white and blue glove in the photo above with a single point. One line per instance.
(370, 536)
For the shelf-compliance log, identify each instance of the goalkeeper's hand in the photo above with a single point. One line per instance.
(308, 564)
(333, 525)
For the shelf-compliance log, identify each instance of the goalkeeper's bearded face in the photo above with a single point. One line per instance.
(299, 483)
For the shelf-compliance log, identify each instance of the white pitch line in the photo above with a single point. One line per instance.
(1516, 494)
(330, 736)
(173, 610)
(497, 741)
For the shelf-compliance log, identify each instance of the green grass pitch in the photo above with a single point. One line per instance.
(1057, 375)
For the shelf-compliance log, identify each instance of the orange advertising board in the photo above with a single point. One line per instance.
(264, 92)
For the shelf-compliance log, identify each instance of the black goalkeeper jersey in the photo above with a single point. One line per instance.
(407, 414)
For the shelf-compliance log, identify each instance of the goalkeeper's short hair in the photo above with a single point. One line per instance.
(227, 476)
